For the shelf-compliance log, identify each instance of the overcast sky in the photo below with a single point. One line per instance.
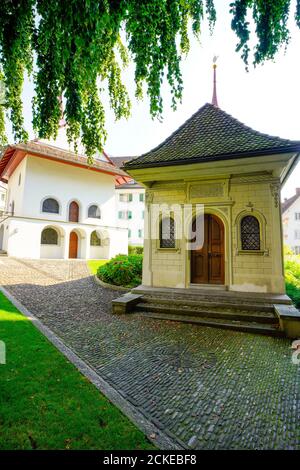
(266, 98)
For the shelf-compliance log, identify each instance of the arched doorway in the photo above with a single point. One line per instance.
(207, 262)
(73, 245)
(73, 212)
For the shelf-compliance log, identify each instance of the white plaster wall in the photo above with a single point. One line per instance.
(52, 251)
(2, 198)
(15, 191)
(45, 178)
(22, 238)
(118, 242)
(136, 207)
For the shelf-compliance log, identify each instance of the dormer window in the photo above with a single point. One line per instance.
(51, 206)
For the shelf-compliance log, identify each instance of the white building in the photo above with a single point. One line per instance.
(2, 197)
(130, 205)
(57, 205)
(291, 222)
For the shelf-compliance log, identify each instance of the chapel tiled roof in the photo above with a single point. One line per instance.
(212, 134)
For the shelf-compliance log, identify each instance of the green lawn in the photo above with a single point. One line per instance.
(94, 264)
(45, 403)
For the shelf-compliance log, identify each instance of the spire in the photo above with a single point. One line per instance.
(214, 100)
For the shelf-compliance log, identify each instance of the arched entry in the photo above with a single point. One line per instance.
(73, 212)
(207, 262)
(73, 245)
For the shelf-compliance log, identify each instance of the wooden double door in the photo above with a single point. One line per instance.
(207, 262)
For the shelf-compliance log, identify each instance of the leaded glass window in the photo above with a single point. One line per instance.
(49, 237)
(51, 206)
(250, 233)
(167, 233)
(95, 239)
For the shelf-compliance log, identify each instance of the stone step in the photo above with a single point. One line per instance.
(192, 294)
(3, 253)
(219, 312)
(247, 327)
(211, 303)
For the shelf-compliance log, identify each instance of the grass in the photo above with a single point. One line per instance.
(94, 264)
(45, 403)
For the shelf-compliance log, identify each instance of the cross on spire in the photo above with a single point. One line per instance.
(214, 100)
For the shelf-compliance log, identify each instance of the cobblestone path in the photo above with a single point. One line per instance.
(207, 388)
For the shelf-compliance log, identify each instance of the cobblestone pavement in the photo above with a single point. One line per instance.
(205, 387)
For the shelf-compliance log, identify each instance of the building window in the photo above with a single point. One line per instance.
(2, 197)
(129, 233)
(297, 250)
(250, 233)
(20, 177)
(167, 233)
(125, 215)
(51, 206)
(143, 214)
(94, 212)
(95, 239)
(142, 197)
(297, 235)
(125, 197)
(297, 215)
(140, 233)
(49, 237)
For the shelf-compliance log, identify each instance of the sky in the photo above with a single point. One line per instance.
(266, 98)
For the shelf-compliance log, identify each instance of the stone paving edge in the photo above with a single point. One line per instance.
(162, 441)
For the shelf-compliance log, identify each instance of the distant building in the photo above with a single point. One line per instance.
(291, 222)
(57, 205)
(130, 205)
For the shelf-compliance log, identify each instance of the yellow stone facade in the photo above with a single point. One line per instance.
(230, 190)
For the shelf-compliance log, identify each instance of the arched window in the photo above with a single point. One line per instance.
(49, 237)
(51, 206)
(250, 233)
(167, 233)
(94, 212)
(95, 239)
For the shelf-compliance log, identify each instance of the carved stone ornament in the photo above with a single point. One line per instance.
(149, 197)
(275, 191)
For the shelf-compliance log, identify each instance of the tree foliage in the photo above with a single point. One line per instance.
(74, 48)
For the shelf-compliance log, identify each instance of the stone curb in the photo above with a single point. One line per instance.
(110, 286)
(162, 441)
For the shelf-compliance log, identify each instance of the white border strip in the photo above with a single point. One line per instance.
(161, 440)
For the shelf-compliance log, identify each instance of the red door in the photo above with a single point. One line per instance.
(73, 212)
(207, 263)
(73, 245)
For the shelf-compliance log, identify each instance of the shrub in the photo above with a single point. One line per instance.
(292, 281)
(135, 250)
(122, 270)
